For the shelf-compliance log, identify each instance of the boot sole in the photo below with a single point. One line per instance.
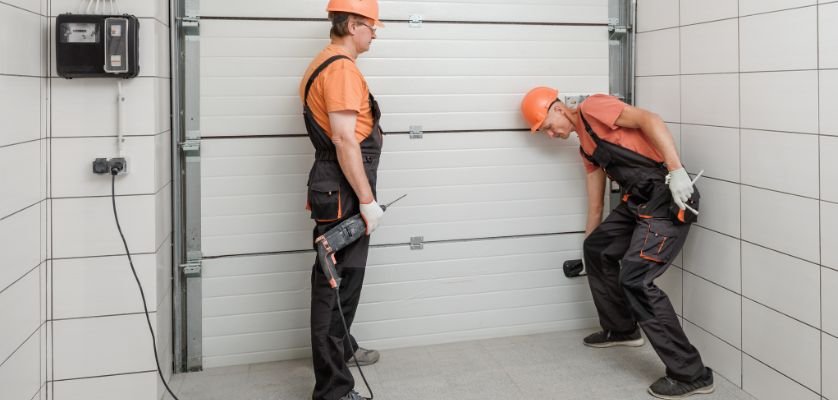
(624, 343)
(704, 390)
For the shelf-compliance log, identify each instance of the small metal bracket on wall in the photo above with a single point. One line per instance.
(417, 242)
(416, 132)
(415, 21)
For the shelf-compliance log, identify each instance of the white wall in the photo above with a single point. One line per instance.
(77, 330)
(750, 88)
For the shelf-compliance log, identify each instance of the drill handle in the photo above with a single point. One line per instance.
(327, 262)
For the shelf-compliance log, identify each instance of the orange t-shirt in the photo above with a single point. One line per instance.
(339, 87)
(602, 111)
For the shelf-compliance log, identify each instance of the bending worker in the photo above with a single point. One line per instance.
(341, 118)
(636, 243)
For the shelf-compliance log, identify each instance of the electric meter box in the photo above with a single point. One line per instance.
(90, 46)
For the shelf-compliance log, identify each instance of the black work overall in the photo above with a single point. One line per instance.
(331, 200)
(635, 245)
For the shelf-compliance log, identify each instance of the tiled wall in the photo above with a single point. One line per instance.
(750, 89)
(77, 328)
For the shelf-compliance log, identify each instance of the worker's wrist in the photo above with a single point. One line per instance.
(366, 199)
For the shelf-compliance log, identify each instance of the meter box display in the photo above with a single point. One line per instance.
(89, 46)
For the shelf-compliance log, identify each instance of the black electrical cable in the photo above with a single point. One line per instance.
(346, 329)
(140, 286)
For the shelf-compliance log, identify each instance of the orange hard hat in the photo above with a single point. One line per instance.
(365, 8)
(536, 104)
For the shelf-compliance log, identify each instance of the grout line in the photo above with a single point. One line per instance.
(5, 217)
(104, 376)
(20, 345)
(741, 246)
(99, 316)
(20, 143)
(29, 271)
(820, 194)
(21, 8)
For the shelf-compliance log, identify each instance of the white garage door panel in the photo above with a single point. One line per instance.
(442, 76)
(460, 186)
(462, 10)
(259, 305)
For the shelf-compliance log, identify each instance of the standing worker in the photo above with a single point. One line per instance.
(636, 243)
(341, 119)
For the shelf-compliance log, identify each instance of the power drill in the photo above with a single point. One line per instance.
(335, 239)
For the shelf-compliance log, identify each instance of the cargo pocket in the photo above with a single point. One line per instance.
(325, 201)
(659, 243)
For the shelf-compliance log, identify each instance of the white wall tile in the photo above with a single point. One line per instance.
(90, 347)
(829, 234)
(712, 149)
(784, 283)
(830, 367)
(725, 359)
(764, 153)
(675, 130)
(719, 206)
(20, 241)
(129, 387)
(19, 303)
(829, 168)
(671, 284)
(20, 109)
(94, 101)
(710, 99)
(714, 257)
(84, 287)
(783, 40)
(829, 302)
(656, 14)
(163, 220)
(163, 159)
(657, 52)
(21, 188)
(829, 102)
(769, 335)
(148, 8)
(163, 273)
(780, 101)
(783, 222)
(85, 227)
(694, 11)
(31, 5)
(766, 384)
(76, 177)
(20, 375)
(828, 35)
(661, 95)
(747, 7)
(710, 48)
(713, 308)
(21, 44)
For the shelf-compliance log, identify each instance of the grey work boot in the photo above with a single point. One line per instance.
(604, 339)
(670, 389)
(364, 357)
(353, 395)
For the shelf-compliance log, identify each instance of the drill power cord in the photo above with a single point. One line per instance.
(140, 286)
(346, 329)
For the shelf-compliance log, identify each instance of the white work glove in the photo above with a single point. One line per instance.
(371, 213)
(681, 186)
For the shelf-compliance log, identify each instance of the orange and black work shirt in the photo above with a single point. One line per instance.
(602, 111)
(340, 87)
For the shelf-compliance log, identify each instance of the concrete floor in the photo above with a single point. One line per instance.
(545, 366)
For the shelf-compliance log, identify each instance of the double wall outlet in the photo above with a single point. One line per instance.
(115, 166)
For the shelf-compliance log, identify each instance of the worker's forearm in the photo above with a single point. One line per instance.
(661, 138)
(594, 219)
(352, 165)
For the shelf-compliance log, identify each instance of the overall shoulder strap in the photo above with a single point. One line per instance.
(319, 70)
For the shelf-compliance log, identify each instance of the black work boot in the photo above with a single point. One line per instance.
(353, 395)
(604, 339)
(668, 388)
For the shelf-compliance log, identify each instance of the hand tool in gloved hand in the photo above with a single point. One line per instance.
(339, 237)
(682, 188)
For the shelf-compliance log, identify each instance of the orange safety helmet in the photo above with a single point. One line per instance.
(536, 105)
(366, 8)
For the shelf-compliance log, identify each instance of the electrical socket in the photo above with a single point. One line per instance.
(100, 166)
(119, 164)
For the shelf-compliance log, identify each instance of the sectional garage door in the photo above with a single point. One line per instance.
(498, 209)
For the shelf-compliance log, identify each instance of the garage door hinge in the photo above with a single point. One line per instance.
(415, 21)
(416, 131)
(417, 242)
(191, 269)
(190, 145)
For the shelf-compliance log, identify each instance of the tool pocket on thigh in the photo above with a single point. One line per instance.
(659, 243)
(324, 199)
